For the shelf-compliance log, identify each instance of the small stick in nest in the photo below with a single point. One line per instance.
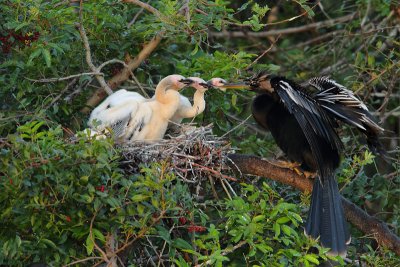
(194, 155)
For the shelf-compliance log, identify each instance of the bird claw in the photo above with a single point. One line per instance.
(294, 166)
(283, 164)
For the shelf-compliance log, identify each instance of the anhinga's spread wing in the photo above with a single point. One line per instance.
(314, 122)
(118, 98)
(115, 117)
(341, 103)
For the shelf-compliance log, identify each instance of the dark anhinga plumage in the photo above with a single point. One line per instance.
(303, 125)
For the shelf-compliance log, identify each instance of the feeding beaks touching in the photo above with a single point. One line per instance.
(223, 84)
(260, 81)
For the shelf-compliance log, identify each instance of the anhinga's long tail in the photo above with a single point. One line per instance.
(326, 218)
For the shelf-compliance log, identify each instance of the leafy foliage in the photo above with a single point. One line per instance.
(61, 199)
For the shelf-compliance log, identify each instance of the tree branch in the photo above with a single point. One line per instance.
(144, 6)
(131, 65)
(367, 224)
(311, 26)
(89, 61)
(115, 81)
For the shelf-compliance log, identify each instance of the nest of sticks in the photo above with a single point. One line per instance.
(195, 155)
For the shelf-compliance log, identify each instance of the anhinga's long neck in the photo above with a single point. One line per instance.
(160, 93)
(198, 103)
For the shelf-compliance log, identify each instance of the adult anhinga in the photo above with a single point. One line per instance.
(303, 125)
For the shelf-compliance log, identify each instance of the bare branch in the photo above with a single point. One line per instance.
(112, 61)
(145, 6)
(89, 61)
(82, 260)
(49, 80)
(115, 81)
(69, 85)
(136, 16)
(308, 27)
(367, 224)
(263, 53)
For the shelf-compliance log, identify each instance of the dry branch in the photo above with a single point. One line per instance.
(131, 65)
(144, 6)
(308, 27)
(89, 61)
(115, 81)
(367, 224)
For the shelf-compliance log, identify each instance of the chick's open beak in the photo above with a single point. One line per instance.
(187, 82)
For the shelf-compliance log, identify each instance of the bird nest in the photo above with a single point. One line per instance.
(195, 155)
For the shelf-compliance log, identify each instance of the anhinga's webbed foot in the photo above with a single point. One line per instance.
(294, 166)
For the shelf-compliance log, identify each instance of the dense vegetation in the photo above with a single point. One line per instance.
(64, 201)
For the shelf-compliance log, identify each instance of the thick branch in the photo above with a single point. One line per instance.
(308, 27)
(359, 218)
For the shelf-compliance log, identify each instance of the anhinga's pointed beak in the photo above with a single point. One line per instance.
(239, 85)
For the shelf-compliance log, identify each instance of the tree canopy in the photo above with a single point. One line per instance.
(71, 201)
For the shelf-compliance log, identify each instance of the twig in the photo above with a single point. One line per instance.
(184, 10)
(145, 6)
(225, 252)
(82, 260)
(140, 234)
(237, 126)
(367, 224)
(61, 93)
(311, 26)
(263, 53)
(89, 61)
(103, 254)
(215, 172)
(49, 80)
(136, 16)
(139, 85)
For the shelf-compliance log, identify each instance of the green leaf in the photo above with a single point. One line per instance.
(34, 55)
(89, 245)
(182, 244)
(98, 235)
(234, 100)
(47, 57)
(283, 220)
(139, 198)
(277, 229)
(49, 243)
(20, 26)
(311, 258)
(258, 218)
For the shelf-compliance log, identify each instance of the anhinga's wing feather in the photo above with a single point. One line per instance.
(138, 125)
(115, 117)
(112, 102)
(341, 103)
(313, 120)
